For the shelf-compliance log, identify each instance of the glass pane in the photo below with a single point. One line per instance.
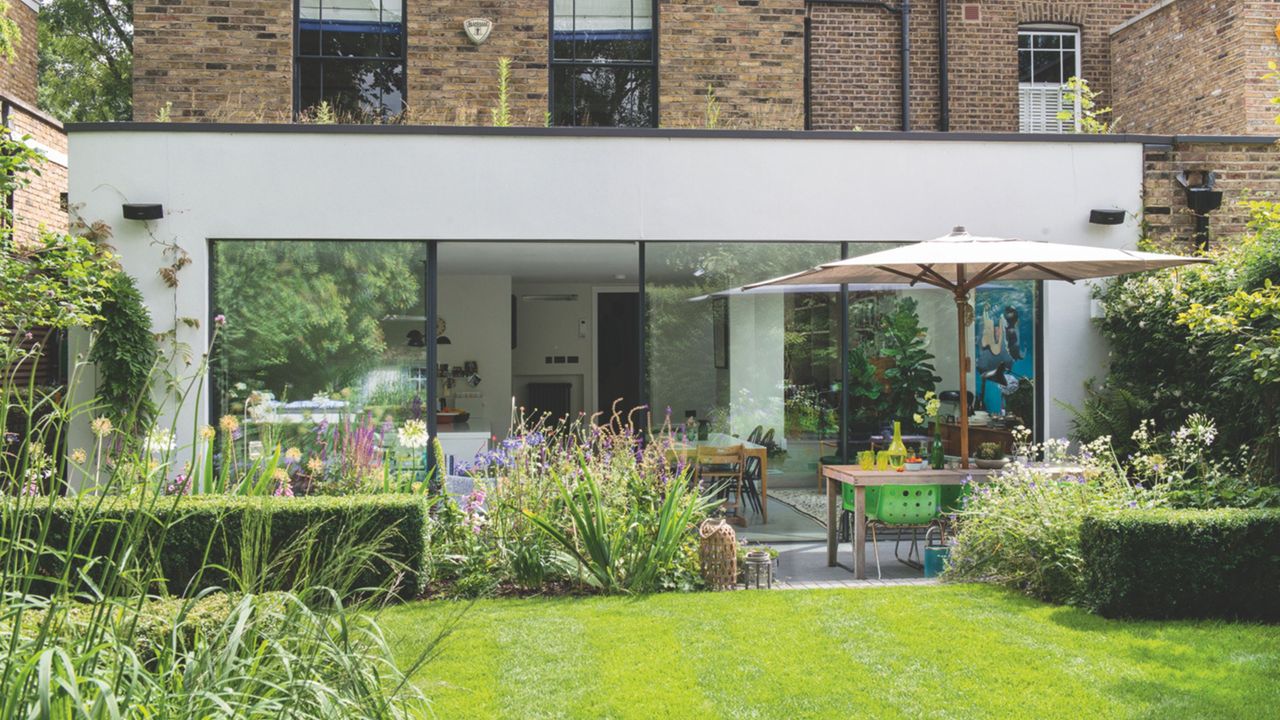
(1024, 66)
(1068, 64)
(604, 96)
(1047, 67)
(1024, 41)
(903, 343)
(351, 40)
(1046, 41)
(318, 333)
(1068, 41)
(310, 76)
(554, 325)
(563, 28)
(362, 89)
(764, 361)
(308, 40)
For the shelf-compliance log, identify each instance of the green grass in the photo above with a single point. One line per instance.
(950, 651)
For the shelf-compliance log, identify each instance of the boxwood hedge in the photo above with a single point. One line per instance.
(198, 542)
(1183, 564)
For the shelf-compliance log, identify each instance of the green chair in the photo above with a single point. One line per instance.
(901, 507)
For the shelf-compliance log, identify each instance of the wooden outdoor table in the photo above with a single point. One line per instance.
(862, 479)
(749, 449)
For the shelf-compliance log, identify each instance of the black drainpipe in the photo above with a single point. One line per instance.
(808, 71)
(944, 85)
(903, 9)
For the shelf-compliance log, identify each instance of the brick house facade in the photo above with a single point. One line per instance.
(39, 205)
(41, 202)
(786, 64)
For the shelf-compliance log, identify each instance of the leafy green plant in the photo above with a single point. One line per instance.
(502, 111)
(1197, 340)
(911, 373)
(125, 355)
(622, 550)
(1085, 115)
(1021, 527)
(990, 451)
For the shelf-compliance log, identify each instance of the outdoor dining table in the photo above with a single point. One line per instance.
(862, 479)
(689, 447)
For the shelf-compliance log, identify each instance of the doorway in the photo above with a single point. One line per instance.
(618, 350)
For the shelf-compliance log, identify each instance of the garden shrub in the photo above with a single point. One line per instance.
(1021, 528)
(1183, 564)
(1198, 339)
(251, 543)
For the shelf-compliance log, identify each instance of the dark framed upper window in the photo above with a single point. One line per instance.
(1048, 54)
(351, 54)
(604, 63)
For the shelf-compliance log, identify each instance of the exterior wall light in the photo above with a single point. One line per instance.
(1202, 199)
(1106, 217)
(143, 211)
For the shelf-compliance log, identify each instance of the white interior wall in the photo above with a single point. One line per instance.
(756, 360)
(548, 328)
(477, 312)
(216, 183)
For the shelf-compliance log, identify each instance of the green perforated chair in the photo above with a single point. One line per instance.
(902, 507)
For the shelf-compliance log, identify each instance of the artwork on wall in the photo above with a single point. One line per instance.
(1004, 349)
(720, 332)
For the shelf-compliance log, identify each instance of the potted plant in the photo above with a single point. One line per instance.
(990, 456)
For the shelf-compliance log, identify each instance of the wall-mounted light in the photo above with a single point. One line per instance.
(1202, 199)
(143, 211)
(1106, 217)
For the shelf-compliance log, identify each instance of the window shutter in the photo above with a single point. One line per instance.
(1038, 108)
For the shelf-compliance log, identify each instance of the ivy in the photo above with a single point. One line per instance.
(125, 353)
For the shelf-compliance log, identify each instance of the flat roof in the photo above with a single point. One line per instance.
(877, 135)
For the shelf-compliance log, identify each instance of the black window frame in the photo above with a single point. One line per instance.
(298, 58)
(553, 63)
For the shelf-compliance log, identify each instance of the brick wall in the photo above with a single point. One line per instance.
(750, 51)
(40, 203)
(225, 60)
(1243, 169)
(1258, 33)
(856, 61)
(18, 79)
(452, 81)
(1183, 69)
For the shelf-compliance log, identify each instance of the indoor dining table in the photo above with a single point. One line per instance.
(689, 447)
(860, 480)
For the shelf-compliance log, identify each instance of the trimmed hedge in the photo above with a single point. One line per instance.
(1183, 564)
(275, 539)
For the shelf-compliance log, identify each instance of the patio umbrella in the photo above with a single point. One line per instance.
(960, 262)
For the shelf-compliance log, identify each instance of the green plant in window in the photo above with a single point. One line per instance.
(910, 373)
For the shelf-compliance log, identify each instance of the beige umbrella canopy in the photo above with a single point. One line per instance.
(960, 262)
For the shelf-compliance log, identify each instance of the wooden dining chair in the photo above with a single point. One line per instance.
(720, 472)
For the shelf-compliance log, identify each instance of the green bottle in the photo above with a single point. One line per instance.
(897, 450)
(937, 458)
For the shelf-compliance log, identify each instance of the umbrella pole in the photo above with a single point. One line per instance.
(962, 305)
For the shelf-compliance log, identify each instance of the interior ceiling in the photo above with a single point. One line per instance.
(542, 262)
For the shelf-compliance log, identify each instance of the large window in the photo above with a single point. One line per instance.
(351, 55)
(604, 63)
(320, 333)
(1048, 56)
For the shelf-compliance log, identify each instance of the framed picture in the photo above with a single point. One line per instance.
(720, 332)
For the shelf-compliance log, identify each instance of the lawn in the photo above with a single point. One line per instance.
(950, 651)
